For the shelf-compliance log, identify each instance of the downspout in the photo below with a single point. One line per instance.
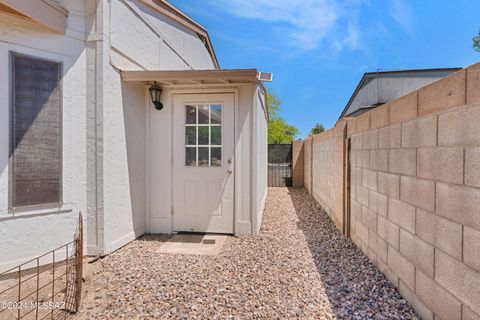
(99, 67)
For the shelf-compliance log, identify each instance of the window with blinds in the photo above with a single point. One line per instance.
(35, 128)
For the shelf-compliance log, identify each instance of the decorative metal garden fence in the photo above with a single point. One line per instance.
(46, 287)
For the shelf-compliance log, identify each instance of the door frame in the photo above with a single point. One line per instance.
(172, 173)
(168, 101)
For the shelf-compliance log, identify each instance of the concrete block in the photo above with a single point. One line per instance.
(390, 137)
(352, 226)
(379, 117)
(362, 231)
(418, 192)
(363, 158)
(340, 129)
(297, 163)
(472, 167)
(417, 251)
(352, 158)
(369, 178)
(351, 126)
(364, 247)
(420, 308)
(355, 209)
(460, 126)
(402, 214)
(402, 267)
(378, 203)
(357, 172)
(445, 93)
(462, 281)
(421, 132)
(387, 272)
(378, 245)
(473, 83)
(356, 141)
(371, 256)
(436, 298)
(471, 248)
(356, 239)
(339, 146)
(403, 108)
(370, 139)
(389, 231)
(389, 184)
(363, 195)
(379, 160)
(403, 161)
(458, 203)
(441, 164)
(443, 234)
(468, 314)
(363, 122)
(369, 218)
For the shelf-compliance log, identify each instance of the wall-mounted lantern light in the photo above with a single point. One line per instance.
(155, 93)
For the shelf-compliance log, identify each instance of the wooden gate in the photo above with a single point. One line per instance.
(280, 165)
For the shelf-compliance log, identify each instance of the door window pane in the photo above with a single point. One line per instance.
(216, 157)
(216, 135)
(191, 135)
(203, 116)
(191, 115)
(203, 135)
(203, 156)
(216, 114)
(191, 156)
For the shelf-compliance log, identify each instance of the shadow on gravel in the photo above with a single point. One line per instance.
(354, 286)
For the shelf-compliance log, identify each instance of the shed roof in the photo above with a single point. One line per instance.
(407, 73)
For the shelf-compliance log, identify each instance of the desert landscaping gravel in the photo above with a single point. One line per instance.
(299, 266)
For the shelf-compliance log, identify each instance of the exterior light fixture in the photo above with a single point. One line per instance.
(155, 93)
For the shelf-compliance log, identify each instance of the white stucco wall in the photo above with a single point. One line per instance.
(142, 38)
(260, 168)
(26, 234)
(138, 38)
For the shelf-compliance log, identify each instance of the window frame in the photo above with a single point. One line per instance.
(11, 112)
(209, 125)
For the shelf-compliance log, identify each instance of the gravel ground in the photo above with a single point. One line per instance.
(298, 267)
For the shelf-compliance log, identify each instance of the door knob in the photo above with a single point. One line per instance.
(229, 171)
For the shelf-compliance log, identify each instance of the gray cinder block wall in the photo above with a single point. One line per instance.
(411, 191)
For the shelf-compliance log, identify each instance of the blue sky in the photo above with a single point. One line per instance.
(319, 49)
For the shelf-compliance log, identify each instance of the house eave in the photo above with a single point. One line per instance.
(170, 11)
(45, 12)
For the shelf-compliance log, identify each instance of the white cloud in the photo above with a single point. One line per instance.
(402, 14)
(349, 39)
(306, 22)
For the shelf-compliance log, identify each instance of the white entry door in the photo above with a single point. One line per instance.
(203, 144)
